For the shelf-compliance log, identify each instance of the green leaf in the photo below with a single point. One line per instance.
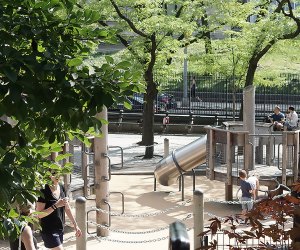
(9, 159)
(123, 65)
(62, 156)
(109, 59)
(127, 105)
(69, 164)
(13, 213)
(52, 138)
(74, 62)
(10, 74)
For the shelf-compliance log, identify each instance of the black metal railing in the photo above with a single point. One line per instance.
(218, 94)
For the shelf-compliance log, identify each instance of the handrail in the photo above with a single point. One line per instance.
(123, 200)
(122, 156)
(109, 168)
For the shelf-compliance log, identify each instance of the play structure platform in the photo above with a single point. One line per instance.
(228, 149)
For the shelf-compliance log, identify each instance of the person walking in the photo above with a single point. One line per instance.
(53, 205)
(193, 89)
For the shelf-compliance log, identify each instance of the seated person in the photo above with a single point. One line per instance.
(277, 119)
(291, 119)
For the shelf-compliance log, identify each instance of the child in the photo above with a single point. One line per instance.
(254, 182)
(247, 191)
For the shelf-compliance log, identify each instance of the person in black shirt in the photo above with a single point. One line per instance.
(193, 88)
(54, 204)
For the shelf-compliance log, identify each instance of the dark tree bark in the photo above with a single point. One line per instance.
(148, 116)
(149, 97)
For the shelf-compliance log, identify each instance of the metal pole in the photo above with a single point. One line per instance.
(102, 175)
(81, 218)
(185, 78)
(166, 147)
(198, 210)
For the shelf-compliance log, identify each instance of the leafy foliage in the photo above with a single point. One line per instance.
(47, 93)
(153, 33)
(275, 210)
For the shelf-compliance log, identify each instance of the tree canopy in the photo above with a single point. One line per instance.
(48, 94)
(153, 32)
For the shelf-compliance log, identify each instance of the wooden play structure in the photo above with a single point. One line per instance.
(230, 149)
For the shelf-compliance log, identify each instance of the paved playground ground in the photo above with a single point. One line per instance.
(137, 229)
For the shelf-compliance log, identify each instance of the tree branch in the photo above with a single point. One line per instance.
(178, 13)
(280, 8)
(128, 21)
(125, 43)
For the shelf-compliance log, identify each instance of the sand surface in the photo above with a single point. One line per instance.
(140, 200)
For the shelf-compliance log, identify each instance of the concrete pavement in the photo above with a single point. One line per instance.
(135, 181)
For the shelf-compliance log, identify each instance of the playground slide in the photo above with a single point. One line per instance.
(181, 160)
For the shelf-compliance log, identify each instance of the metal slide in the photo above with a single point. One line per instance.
(181, 160)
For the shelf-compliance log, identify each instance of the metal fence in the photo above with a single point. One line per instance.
(219, 94)
(224, 242)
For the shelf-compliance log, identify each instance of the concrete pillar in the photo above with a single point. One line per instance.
(81, 218)
(53, 156)
(84, 170)
(249, 118)
(67, 177)
(102, 175)
(198, 210)
(166, 147)
(71, 151)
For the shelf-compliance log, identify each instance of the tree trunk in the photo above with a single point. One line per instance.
(206, 35)
(148, 115)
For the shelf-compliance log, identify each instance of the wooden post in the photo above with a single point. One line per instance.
(228, 182)
(198, 208)
(247, 152)
(102, 175)
(81, 218)
(296, 156)
(260, 150)
(270, 150)
(284, 156)
(296, 224)
(212, 149)
(249, 118)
